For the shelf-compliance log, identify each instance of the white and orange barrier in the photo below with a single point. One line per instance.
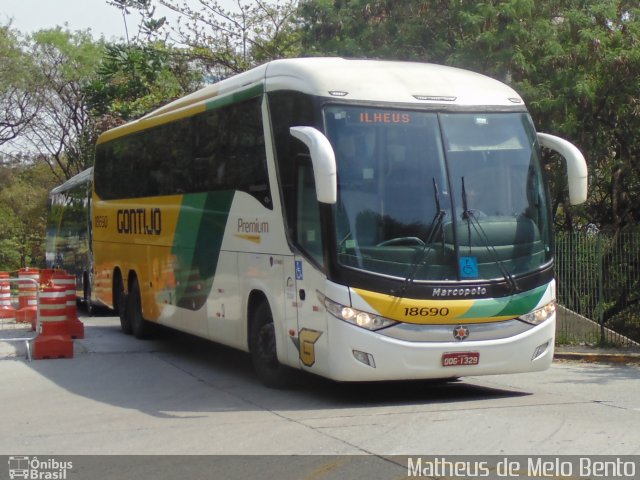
(53, 340)
(27, 303)
(46, 274)
(68, 282)
(47, 301)
(7, 310)
(28, 280)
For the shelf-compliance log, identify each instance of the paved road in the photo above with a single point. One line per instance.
(182, 395)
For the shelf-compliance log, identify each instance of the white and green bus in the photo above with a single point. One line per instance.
(360, 220)
(68, 235)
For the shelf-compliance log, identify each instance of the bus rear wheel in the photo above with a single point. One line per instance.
(262, 344)
(139, 326)
(121, 306)
(86, 294)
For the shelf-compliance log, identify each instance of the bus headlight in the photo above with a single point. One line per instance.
(540, 315)
(357, 317)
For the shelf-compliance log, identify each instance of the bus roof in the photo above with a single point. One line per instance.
(349, 79)
(83, 177)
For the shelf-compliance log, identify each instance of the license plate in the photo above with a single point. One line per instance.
(460, 359)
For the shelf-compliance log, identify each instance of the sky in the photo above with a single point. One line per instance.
(103, 19)
(32, 15)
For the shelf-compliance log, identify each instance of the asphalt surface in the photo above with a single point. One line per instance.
(120, 399)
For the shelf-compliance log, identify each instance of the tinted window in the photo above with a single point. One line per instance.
(221, 149)
(289, 109)
(438, 196)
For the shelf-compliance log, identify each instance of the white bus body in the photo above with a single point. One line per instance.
(360, 220)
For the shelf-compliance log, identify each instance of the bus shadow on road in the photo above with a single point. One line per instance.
(235, 369)
(175, 373)
(416, 392)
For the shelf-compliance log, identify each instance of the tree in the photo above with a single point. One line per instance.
(586, 89)
(24, 188)
(18, 101)
(224, 42)
(575, 62)
(148, 27)
(62, 131)
(132, 80)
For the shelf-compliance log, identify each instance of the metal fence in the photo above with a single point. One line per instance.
(598, 278)
(13, 328)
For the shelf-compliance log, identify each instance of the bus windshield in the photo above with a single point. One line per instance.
(438, 196)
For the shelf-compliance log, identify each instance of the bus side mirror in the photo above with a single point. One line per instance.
(323, 160)
(576, 165)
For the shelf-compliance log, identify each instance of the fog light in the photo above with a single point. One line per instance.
(364, 357)
(539, 351)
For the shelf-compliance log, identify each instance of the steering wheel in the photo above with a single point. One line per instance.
(400, 241)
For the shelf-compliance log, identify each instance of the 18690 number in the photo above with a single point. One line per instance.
(426, 312)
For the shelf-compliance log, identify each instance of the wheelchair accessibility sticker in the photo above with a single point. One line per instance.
(299, 275)
(468, 267)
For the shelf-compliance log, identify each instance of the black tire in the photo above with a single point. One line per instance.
(88, 307)
(262, 344)
(122, 299)
(139, 326)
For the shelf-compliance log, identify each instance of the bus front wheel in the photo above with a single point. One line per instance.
(262, 344)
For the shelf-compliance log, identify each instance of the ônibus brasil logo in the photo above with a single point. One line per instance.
(35, 469)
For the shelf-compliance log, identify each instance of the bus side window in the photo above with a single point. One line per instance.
(308, 233)
(289, 109)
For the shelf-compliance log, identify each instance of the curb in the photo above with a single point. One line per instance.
(614, 358)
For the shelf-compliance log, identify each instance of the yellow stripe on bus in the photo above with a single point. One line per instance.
(146, 123)
(424, 312)
(249, 237)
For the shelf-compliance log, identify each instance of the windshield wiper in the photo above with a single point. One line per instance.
(421, 254)
(472, 220)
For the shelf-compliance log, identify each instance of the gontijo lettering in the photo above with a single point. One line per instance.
(139, 221)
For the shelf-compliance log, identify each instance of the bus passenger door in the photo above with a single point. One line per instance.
(309, 278)
(311, 337)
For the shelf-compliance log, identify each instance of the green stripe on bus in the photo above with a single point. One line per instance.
(524, 302)
(508, 306)
(198, 238)
(223, 101)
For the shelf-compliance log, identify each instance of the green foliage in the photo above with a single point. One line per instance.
(227, 41)
(132, 80)
(149, 26)
(576, 63)
(599, 277)
(18, 100)
(61, 134)
(23, 199)
(596, 105)
(9, 240)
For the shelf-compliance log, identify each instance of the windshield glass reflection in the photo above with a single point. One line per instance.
(401, 209)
